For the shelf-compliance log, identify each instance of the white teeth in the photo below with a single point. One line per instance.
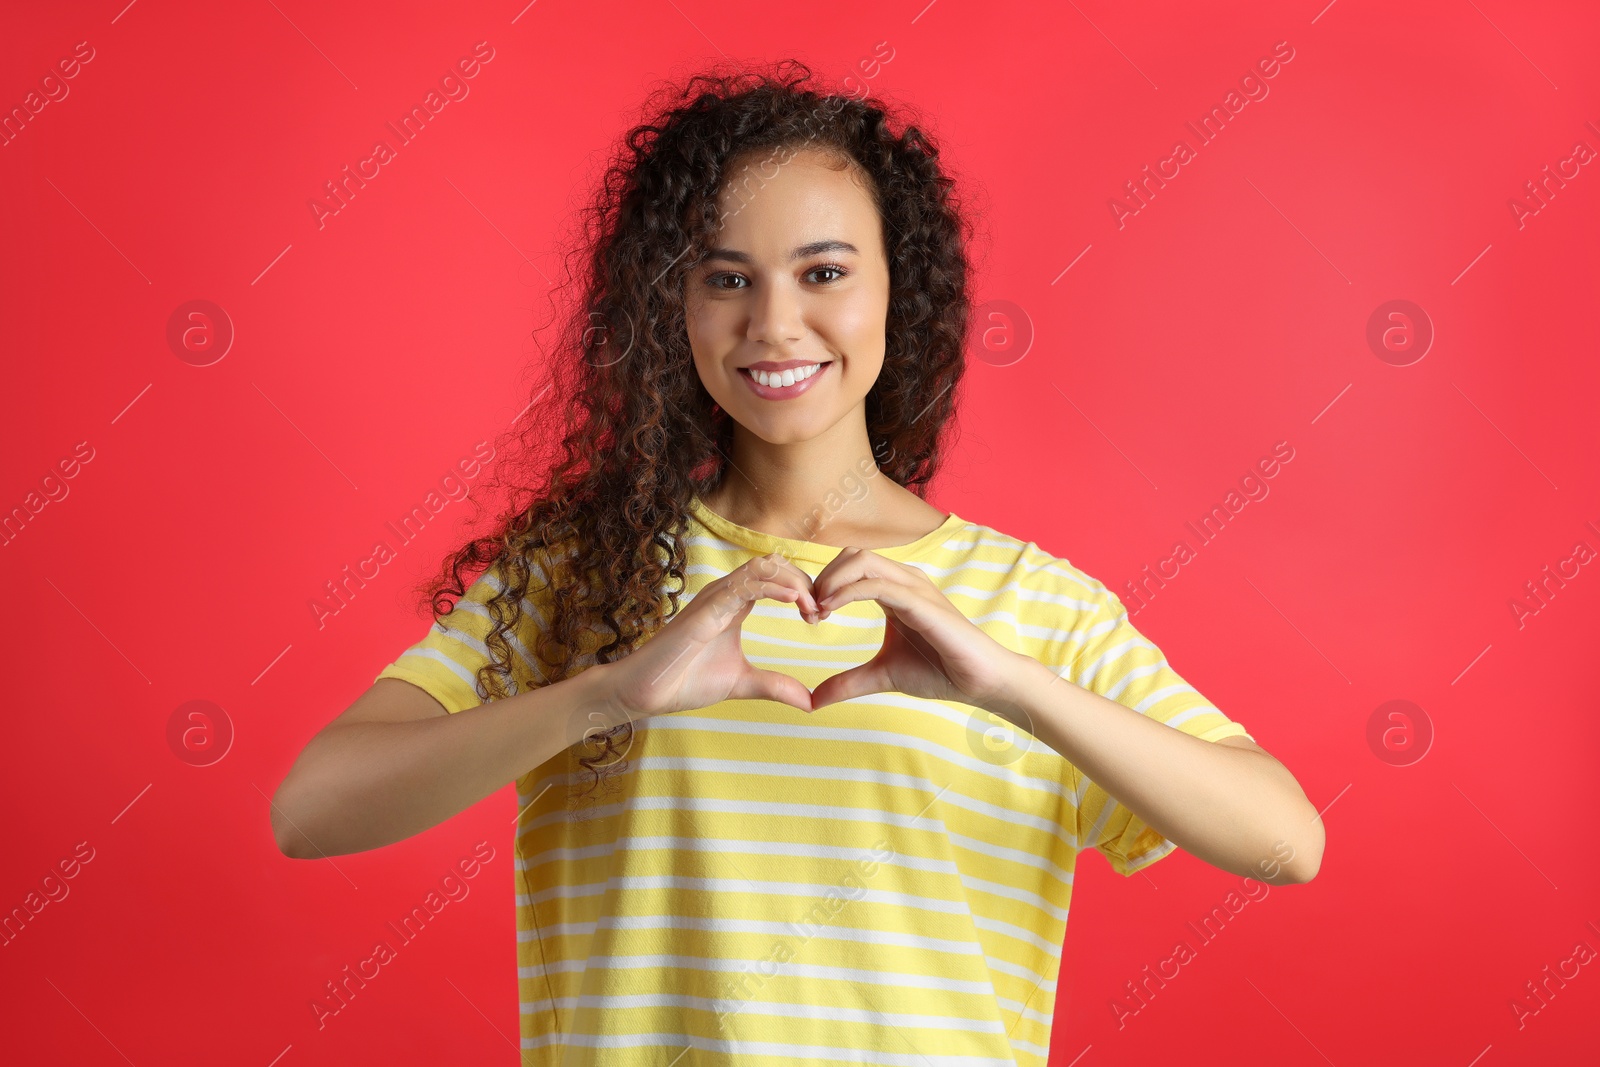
(785, 378)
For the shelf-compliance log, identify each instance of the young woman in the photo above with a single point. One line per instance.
(804, 763)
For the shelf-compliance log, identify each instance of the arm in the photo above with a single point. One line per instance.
(396, 763)
(1227, 802)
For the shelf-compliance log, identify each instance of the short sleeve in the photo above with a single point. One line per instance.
(446, 660)
(1106, 654)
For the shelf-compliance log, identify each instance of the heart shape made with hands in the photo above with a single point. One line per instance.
(930, 649)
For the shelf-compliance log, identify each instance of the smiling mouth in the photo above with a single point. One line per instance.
(784, 384)
(787, 376)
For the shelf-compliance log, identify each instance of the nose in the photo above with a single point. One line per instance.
(775, 315)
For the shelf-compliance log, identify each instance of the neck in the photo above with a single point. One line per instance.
(798, 490)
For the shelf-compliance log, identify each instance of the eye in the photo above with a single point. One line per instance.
(840, 271)
(715, 280)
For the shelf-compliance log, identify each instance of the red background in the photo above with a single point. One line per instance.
(1230, 313)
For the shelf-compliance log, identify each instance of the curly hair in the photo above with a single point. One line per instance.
(640, 434)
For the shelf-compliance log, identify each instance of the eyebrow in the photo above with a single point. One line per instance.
(733, 255)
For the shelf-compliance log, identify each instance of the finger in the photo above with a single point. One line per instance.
(774, 562)
(861, 564)
(904, 599)
(756, 684)
(731, 602)
(829, 576)
(775, 568)
(802, 581)
(930, 616)
(859, 681)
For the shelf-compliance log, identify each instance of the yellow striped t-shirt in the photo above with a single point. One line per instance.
(884, 881)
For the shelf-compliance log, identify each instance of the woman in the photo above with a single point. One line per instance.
(863, 850)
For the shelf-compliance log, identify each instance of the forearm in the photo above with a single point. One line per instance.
(1228, 806)
(362, 785)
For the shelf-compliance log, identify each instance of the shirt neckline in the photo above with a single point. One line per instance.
(794, 548)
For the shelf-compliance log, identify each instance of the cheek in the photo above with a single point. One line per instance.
(857, 329)
(864, 317)
(711, 347)
(709, 328)
(707, 349)
(706, 370)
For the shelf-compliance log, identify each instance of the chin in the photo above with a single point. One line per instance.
(781, 435)
(779, 431)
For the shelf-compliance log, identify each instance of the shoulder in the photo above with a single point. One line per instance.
(1054, 607)
(515, 586)
(1038, 574)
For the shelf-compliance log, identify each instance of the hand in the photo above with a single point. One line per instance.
(696, 659)
(930, 649)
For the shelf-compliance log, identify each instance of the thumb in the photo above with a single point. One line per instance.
(847, 685)
(756, 684)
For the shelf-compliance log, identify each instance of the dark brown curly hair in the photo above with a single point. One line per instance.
(597, 533)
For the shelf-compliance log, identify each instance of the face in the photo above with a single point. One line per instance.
(786, 315)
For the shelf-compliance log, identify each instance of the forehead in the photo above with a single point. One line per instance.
(770, 206)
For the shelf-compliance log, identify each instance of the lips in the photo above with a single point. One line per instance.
(780, 391)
